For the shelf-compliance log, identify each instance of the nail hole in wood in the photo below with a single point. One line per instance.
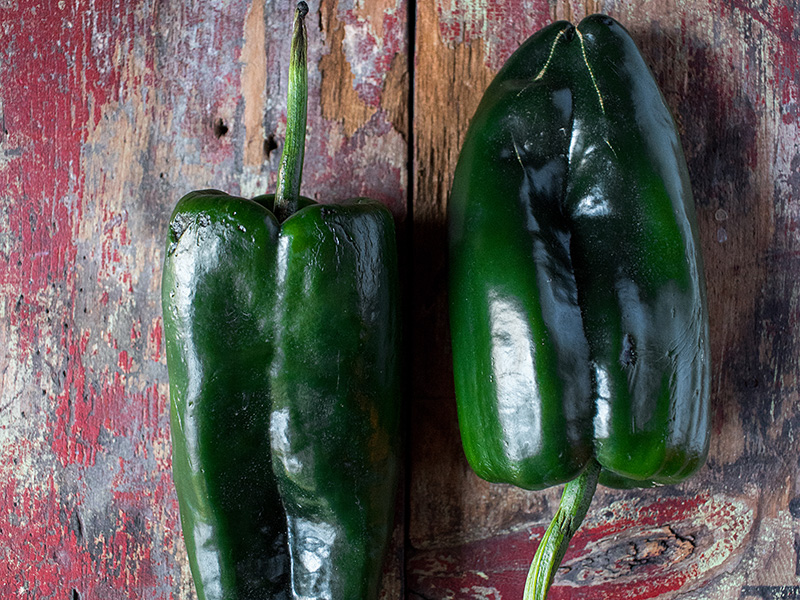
(270, 145)
(220, 128)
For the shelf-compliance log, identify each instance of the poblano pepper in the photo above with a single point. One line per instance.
(578, 307)
(281, 323)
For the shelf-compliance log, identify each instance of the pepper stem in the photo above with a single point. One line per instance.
(290, 172)
(572, 509)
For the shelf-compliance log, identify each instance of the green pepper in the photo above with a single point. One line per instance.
(281, 326)
(577, 297)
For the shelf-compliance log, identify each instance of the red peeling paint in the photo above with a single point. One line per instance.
(780, 24)
(66, 64)
(47, 553)
(93, 96)
(136, 331)
(155, 339)
(497, 567)
(125, 362)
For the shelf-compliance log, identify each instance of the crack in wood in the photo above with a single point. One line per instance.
(683, 538)
(797, 554)
(771, 592)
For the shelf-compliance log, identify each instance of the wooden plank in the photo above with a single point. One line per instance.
(110, 112)
(731, 74)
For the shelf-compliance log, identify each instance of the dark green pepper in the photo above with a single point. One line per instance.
(281, 323)
(578, 304)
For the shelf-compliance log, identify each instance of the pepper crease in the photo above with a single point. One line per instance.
(577, 299)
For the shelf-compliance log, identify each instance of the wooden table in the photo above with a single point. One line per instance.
(110, 111)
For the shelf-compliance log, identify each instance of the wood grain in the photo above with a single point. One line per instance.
(731, 75)
(110, 111)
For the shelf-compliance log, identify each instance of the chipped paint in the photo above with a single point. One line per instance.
(109, 114)
(363, 44)
(498, 25)
(341, 102)
(345, 132)
(622, 550)
(729, 71)
(68, 525)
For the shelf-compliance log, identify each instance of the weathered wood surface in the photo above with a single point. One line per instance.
(110, 111)
(731, 74)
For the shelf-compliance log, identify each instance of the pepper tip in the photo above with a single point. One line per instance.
(302, 8)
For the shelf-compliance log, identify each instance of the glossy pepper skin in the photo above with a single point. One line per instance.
(283, 350)
(577, 298)
(578, 306)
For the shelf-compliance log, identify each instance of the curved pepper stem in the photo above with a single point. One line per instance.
(572, 509)
(290, 172)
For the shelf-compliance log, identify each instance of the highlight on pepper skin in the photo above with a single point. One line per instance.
(578, 309)
(281, 322)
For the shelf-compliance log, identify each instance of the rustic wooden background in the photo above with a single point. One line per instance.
(111, 110)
